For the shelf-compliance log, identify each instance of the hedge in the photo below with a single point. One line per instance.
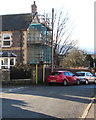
(20, 72)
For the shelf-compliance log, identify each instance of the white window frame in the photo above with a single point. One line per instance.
(4, 40)
(8, 63)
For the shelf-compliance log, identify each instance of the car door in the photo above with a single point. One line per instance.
(69, 77)
(90, 77)
(73, 79)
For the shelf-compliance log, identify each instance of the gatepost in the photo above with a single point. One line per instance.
(6, 75)
(33, 76)
(0, 78)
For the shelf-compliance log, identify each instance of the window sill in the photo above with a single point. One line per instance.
(5, 46)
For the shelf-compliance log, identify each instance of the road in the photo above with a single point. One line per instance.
(46, 101)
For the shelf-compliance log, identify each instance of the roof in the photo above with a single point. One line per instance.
(62, 71)
(7, 54)
(82, 72)
(16, 21)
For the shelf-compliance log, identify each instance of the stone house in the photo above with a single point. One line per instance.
(27, 36)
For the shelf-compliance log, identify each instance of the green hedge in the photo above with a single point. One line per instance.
(20, 72)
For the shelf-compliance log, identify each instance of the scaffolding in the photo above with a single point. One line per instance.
(39, 44)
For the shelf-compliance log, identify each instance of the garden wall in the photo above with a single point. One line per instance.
(33, 75)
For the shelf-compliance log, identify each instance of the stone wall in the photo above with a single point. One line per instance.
(5, 77)
(18, 44)
(0, 77)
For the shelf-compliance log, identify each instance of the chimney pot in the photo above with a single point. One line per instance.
(34, 8)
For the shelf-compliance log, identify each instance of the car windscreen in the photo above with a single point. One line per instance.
(56, 73)
(80, 74)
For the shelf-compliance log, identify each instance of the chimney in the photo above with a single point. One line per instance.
(34, 8)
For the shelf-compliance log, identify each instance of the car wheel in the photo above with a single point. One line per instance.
(50, 84)
(65, 82)
(86, 82)
(78, 82)
(95, 81)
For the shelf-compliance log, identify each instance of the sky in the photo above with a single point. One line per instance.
(81, 13)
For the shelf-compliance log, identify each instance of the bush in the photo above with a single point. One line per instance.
(20, 72)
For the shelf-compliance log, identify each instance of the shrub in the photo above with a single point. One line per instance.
(20, 71)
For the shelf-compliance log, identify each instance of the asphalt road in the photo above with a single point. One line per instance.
(46, 101)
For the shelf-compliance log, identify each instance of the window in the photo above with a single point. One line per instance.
(88, 74)
(6, 40)
(69, 74)
(7, 62)
(4, 63)
(11, 61)
(66, 73)
(80, 74)
(56, 73)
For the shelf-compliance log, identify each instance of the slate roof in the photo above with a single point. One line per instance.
(7, 54)
(15, 21)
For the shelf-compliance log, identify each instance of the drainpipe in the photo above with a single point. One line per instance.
(21, 45)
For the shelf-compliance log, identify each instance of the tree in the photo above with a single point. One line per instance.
(62, 32)
(90, 60)
(76, 58)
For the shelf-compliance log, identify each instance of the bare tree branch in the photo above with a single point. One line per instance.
(62, 33)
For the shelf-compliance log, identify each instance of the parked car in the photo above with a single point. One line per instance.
(86, 77)
(65, 77)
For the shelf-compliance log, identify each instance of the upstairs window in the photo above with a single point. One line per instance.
(6, 40)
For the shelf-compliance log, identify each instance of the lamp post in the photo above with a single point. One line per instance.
(52, 40)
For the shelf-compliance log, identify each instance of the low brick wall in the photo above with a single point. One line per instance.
(42, 79)
(20, 81)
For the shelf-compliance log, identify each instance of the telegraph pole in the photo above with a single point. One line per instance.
(52, 40)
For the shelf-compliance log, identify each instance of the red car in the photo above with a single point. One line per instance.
(65, 77)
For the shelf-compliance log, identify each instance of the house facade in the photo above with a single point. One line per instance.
(27, 37)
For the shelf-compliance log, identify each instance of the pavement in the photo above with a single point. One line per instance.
(91, 112)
